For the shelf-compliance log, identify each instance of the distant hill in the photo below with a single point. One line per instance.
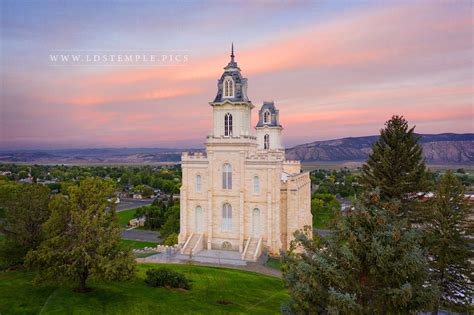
(94, 156)
(446, 148)
(442, 149)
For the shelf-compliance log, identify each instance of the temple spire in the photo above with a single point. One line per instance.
(232, 53)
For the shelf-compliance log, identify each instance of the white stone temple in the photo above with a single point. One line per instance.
(242, 195)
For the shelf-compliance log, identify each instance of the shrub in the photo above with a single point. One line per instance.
(165, 277)
(171, 240)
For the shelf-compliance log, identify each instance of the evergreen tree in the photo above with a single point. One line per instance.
(25, 209)
(449, 239)
(82, 238)
(371, 264)
(396, 166)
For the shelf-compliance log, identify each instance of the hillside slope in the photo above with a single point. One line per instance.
(444, 148)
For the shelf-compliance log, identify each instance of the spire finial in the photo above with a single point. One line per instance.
(232, 53)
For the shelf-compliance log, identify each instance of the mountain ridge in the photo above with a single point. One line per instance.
(444, 148)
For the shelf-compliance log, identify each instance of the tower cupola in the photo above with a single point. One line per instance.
(231, 87)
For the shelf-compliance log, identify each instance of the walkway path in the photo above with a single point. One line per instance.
(128, 203)
(214, 258)
(141, 235)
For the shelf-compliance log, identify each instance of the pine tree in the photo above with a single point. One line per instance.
(449, 240)
(371, 264)
(82, 238)
(396, 166)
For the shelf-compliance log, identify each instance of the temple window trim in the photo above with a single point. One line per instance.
(227, 176)
(256, 184)
(198, 183)
(228, 125)
(226, 217)
(229, 88)
(267, 117)
(266, 142)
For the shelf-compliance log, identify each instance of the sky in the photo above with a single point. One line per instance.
(333, 68)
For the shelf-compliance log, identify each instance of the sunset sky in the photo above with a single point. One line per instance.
(334, 69)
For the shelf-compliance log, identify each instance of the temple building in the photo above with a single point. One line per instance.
(242, 194)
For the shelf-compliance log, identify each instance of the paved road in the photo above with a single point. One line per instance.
(323, 232)
(126, 203)
(141, 235)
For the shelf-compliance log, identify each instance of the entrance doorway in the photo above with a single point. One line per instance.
(199, 217)
(256, 222)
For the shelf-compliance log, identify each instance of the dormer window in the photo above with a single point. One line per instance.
(228, 88)
(267, 117)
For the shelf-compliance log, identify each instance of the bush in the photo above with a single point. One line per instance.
(165, 277)
(171, 240)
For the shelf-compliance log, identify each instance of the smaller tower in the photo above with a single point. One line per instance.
(269, 128)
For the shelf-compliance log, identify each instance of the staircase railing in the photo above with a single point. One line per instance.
(246, 247)
(258, 250)
(186, 243)
(198, 246)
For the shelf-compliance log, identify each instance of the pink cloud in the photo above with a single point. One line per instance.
(353, 70)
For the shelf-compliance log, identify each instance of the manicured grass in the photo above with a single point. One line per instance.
(321, 220)
(274, 262)
(138, 244)
(126, 216)
(214, 291)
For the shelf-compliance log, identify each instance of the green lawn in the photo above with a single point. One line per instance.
(125, 216)
(274, 262)
(214, 291)
(321, 220)
(138, 244)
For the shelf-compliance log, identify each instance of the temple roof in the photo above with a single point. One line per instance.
(274, 121)
(240, 83)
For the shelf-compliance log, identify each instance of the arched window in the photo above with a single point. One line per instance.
(198, 183)
(228, 87)
(226, 217)
(199, 217)
(266, 142)
(267, 117)
(227, 176)
(228, 125)
(256, 184)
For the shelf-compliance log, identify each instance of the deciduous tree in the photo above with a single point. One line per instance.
(24, 210)
(82, 238)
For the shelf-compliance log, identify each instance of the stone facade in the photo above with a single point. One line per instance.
(242, 188)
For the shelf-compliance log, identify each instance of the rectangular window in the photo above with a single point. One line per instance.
(227, 217)
(198, 183)
(256, 184)
(227, 177)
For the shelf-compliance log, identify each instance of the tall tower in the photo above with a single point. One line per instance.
(269, 128)
(231, 106)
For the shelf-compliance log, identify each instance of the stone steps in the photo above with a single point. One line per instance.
(192, 242)
(251, 249)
